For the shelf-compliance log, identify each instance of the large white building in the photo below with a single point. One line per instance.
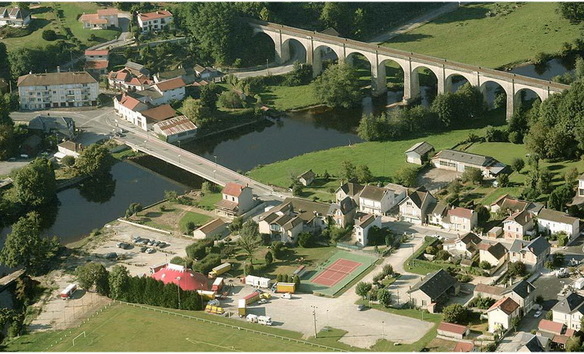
(378, 201)
(552, 221)
(154, 21)
(55, 90)
(14, 17)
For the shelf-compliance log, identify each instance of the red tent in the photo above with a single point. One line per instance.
(179, 275)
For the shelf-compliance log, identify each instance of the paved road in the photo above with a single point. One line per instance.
(274, 69)
(415, 23)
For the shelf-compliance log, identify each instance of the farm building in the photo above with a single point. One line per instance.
(418, 153)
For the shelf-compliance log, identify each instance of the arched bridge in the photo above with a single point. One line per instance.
(317, 44)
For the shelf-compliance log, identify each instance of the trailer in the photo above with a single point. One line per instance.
(265, 320)
(252, 318)
(206, 294)
(285, 287)
(241, 308)
(220, 269)
(218, 310)
(68, 291)
(258, 281)
(579, 284)
(251, 298)
(218, 284)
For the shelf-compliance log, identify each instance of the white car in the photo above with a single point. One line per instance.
(537, 313)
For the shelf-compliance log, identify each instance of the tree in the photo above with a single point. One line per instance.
(406, 176)
(305, 239)
(230, 99)
(348, 171)
(560, 196)
(339, 16)
(517, 164)
(95, 160)
(49, 35)
(338, 87)
(455, 313)
(574, 344)
(573, 11)
(249, 239)
(4, 62)
(473, 175)
(384, 297)
(93, 274)
(209, 96)
(363, 288)
(276, 248)
(170, 195)
(7, 141)
(24, 246)
(503, 180)
(133, 209)
(297, 188)
(485, 265)
(517, 269)
(431, 250)
(483, 215)
(442, 255)
(269, 258)
(35, 183)
(68, 160)
(364, 175)
(195, 112)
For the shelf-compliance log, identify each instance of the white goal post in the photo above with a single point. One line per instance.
(79, 335)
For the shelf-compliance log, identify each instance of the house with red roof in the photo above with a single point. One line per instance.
(236, 200)
(460, 219)
(96, 61)
(154, 21)
(502, 313)
(556, 331)
(185, 278)
(452, 330)
(103, 19)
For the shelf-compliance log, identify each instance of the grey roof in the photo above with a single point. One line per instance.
(421, 148)
(351, 189)
(471, 237)
(497, 250)
(50, 123)
(307, 210)
(330, 31)
(62, 78)
(365, 220)
(347, 205)
(138, 67)
(466, 157)
(14, 13)
(523, 289)
(373, 193)
(536, 246)
(522, 218)
(435, 284)
(307, 175)
(532, 344)
(418, 196)
(556, 216)
(439, 208)
(569, 304)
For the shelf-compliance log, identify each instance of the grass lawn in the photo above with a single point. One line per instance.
(467, 35)
(285, 98)
(208, 200)
(125, 328)
(198, 219)
(441, 345)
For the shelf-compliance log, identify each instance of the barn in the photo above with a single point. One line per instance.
(185, 278)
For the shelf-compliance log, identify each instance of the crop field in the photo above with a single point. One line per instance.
(116, 329)
(491, 34)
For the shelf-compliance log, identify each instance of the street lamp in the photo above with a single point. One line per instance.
(382, 329)
(314, 318)
(179, 158)
(178, 292)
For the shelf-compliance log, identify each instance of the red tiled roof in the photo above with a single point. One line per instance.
(96, 64)
(184, 278)
(559, 339)
(484, 246)
(154, 15)
(107, 12)
(550, 326)
(461, 212)
(463, 347)
(489, 289)
(170, 84)
(92, 18)
(160, 113)
(506, 304)
(569, 332)
(129, 102)
(233, 189)
(97, 52)
(452, 328)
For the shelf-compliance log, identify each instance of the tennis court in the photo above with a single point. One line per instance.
(331, 277)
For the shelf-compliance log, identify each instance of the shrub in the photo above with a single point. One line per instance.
(455, 313)
(198, 250)
(230, 99)
(49, 35)
(206, 264)
(68, 160)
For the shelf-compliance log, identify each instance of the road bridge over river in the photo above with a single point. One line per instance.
(318, 45)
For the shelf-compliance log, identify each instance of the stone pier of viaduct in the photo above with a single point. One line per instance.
(316, 45)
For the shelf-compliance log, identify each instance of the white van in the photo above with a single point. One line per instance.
(265, 320)
(252, 318)
(287, 296)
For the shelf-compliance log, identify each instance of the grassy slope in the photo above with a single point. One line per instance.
(198, 219)
(285, 98)
(468, 36)
(117, 329)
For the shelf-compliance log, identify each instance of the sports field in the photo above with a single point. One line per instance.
(124, 328)
(334, 274)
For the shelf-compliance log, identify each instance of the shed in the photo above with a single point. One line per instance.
(418, 153)
(306, 178)
(452, 330)
(210, 229)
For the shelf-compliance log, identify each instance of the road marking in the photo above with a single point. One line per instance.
(232, 348)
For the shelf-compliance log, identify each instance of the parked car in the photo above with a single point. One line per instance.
(537, 313)
(150, 250)
(263, 301)
(361, 307)
(143, 249)
(111, 255)
(137, 239)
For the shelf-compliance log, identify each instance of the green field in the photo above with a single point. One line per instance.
(467, 35)
(123, 328)
(198, 219)
(285, 98)
(45, 17)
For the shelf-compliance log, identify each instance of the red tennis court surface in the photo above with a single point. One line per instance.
(336, 272)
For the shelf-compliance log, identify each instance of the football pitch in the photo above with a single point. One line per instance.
(124, 328)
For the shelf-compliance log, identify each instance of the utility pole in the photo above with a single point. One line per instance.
(314, 318)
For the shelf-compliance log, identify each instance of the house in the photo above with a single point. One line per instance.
(349, 189)
(306, 178)
(501, 314)
(362, 227)
(517, 225)
(133, 77)
(551, 327)
(176, 129)
(206, 73)
(557, 332)
(378, 201)
(579, 197)
(343, 212)
(96, 61)
(569, 311)
(484, 290)
(14, 17)
(162, 92)
(532, 253)
(463, 347)
(103, 19)
(437, 213)
(186, 74)
(281, 223)
(68, 148)
(236, 200)
(415, 207)
(57, 90)
(157, 114)
(465, 245)
(460, 219)
(552, 222)
(453, 330)
(129, 109)
(495, 232)
(495, 255)
(459, 160)
(215, 227)
(63, 127)
(154, 21)
(418, 153)
(507, 206)
(434, 290)
(525, 342)
(313, 214)
(523, 293)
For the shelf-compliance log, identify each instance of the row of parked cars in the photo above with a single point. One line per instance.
(148, 242)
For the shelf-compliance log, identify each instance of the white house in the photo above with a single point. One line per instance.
(378, 201)
(282, 223)
(458, 161)
(176, 129)
(569, 311)
(129, 109)
(343, 212)
(523, 293)
(495, 254)
(69, 148)
(418, 153)
(532, 253)
(352, 190)
(306, 178)
(154, 21)
(517, 225)
(552, 222)
(14, 17)
(363, 225)
(215, 227)
(501, 314)
(465, 245)
(103, 19)
(415, 207)
(162, 92)
(460, 219)
(236, 199)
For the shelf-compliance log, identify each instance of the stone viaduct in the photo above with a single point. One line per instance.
(316, 44)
